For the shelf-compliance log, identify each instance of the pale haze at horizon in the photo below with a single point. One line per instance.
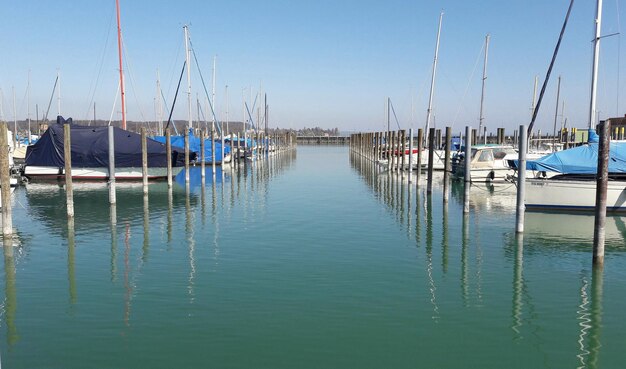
(327, 64)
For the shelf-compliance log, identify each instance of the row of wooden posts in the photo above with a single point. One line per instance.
(391, 147)
(259, 150)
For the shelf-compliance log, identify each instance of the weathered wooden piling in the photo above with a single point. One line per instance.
(420, 148)
(391, 148)
(5, 181)
(69, 189)
(202, 155)
(112, 195)
(521, 179)
(186, 137)
(213, 151)
(144, 159)
(402, 149)
(447, 164)
(168, 152)
(431, 159)
(473, 141)
(410, 168)
(468, 169)
(602, 179)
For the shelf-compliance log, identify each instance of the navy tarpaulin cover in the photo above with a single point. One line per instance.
(195, 146)
(581, 160)
(90, 148)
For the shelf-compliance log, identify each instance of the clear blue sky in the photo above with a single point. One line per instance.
(326, 63)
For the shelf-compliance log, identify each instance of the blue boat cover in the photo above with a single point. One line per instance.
(90, 148)
(581, 160)
(195, 145)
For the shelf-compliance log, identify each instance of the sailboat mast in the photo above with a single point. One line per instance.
(119, 50)
(187, 57)
(226, 93)
(556, 113)
(213, 91)
(159, 103)
(432, 81)
(534, 103)
(28, 105)
(482, 94)
(594, 68)
(58, 93)
(388, 114)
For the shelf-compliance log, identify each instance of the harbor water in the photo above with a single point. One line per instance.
(309, 259)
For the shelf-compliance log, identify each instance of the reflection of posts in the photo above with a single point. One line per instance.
(596, 316)
(464, 266)
(444, 239)
(71, 270)
(113, 242)
(518, 285)
(10, 290)
(5, 182)
(146, 228)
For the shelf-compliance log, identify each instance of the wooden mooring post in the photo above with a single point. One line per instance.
(112, 195)
(186, 137)
(432, 135)
(410, 168)
(468, 170)
(602, 179)
(420, 148)
(168, 152)
(521, 179)
(144, 159)
(5, 182)
(213, 151)
(67, 153)
(202, 155)
(447, 164)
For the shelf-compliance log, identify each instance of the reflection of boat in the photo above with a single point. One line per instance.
(90, 154)
(572, 228)
(46, 202)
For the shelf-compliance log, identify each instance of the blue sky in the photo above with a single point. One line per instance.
(324, 63)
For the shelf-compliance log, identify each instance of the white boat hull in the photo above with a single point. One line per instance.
(102, 173)
(542, 194)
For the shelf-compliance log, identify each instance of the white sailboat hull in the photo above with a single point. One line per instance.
(550, 194)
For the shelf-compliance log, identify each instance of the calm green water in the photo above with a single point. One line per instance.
(307, 260)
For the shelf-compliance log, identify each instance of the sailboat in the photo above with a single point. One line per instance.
(573, 184)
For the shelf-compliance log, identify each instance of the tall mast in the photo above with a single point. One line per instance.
(14, 116)
(119, 51)
(594, 68)
(387, 110)
(432, 81)
(213, 90)
(159, 103)
(534, 103)
(28, 105)
(482, 94)
(265, 113)
(187, 57)
(556, 113)
(226, 93)
(58, 92)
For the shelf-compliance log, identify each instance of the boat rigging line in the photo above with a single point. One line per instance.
(545, 82)
(217, 123)
(169, 119)
(54, 88)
